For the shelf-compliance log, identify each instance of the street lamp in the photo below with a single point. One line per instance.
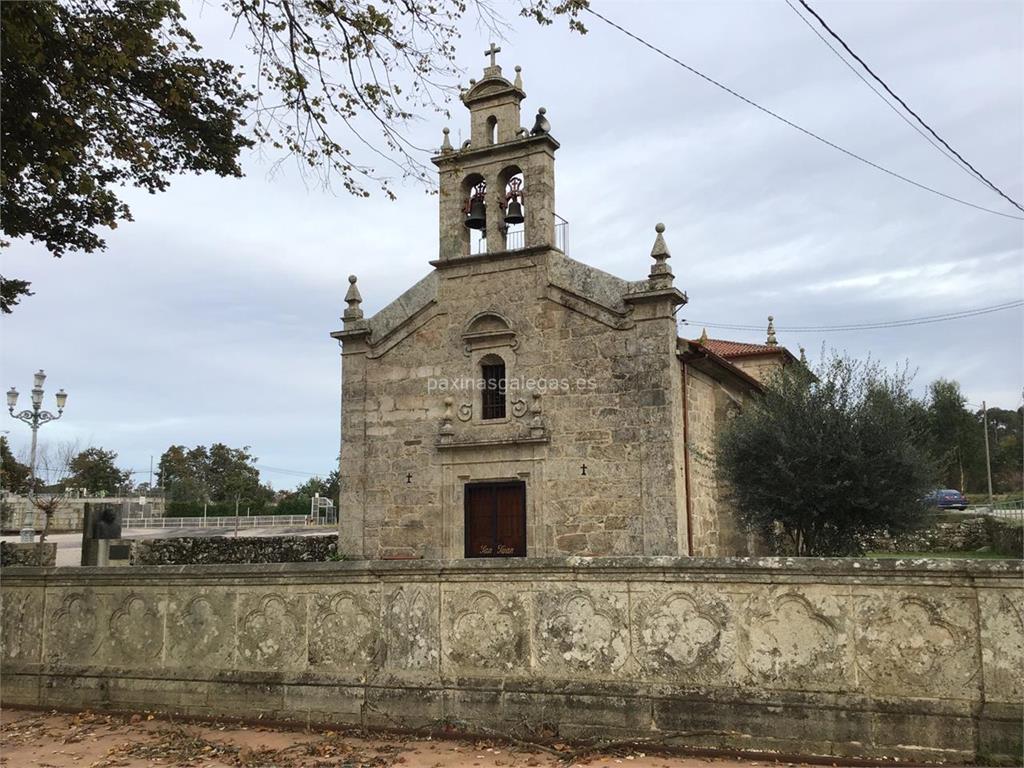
(35, 418)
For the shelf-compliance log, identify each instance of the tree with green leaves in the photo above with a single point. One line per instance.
(299, 501)
(955, 436)
(181, 473)
(1005, 430)
(823, 460)
(98, 95)
(327, 487)
(95, 470)
(218, 474)
(13, 474)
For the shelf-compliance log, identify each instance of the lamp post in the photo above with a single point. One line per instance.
(35, 418)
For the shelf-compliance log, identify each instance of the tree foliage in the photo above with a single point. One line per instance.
(822, 461)
(1007, 448)
(299, 501)
(96, 95)
(13, 474)
(956, 439)
(327, 487)
(218, 474)
(95, 470)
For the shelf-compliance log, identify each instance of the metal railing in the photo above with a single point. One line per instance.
(227, 521)
(561, 234)
(515, 239)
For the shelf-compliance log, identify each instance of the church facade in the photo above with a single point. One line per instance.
(517, 402)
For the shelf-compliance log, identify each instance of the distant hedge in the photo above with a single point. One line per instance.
(195, 509)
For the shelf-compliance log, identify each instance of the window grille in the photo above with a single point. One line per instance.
(493, 391)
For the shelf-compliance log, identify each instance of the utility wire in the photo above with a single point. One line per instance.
(925, 320)
(945, 153)
(904, 104)
(791, 124)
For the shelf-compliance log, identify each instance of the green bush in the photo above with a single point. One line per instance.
(195, 509)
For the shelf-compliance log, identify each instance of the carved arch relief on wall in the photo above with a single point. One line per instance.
(488, 330)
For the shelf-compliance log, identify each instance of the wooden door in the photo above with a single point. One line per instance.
(496, 519)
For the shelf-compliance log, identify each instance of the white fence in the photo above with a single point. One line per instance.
(229, 521)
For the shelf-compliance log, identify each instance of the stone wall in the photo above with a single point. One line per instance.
(609, 397)
(956, 533)
(69, 514)
(206, 550)
(1006, 537)
(875, 658)
(18, 554)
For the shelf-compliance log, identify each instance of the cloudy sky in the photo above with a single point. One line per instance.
(207, 319)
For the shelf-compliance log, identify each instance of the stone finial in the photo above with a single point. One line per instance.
(519, 78)
(704, 336)
(446, 144)
(661, 273)
(353, 299)
(536, 422)
(447, 430)
(541, 124)
(771, 341)
(803, 356)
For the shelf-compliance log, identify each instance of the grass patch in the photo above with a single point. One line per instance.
(950, 555)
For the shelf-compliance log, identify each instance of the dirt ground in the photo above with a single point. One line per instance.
(88, 740)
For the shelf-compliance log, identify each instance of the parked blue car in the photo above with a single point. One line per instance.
(946, 498)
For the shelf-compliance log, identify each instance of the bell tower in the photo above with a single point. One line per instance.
(501, 181)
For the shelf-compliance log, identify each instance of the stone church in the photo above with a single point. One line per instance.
(516, 402)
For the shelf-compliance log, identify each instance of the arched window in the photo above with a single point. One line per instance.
(493, 387)
(492, 130)
(474, 189)
(514, 207)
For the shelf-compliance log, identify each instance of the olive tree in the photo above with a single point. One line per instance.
(826, 458)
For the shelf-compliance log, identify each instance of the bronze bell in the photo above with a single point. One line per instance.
(514, 212)
(476, 218)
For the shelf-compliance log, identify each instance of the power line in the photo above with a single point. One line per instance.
(880, 95)
(925, 320)
(791, 124)
(279, 470)
(904, 104)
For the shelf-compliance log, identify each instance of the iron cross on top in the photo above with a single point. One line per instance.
(492, 52)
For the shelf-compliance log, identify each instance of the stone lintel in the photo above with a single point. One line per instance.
(351, 334)
(483, 258)
(851, 571)
(473, 154)
(674, 295)
(494, 442)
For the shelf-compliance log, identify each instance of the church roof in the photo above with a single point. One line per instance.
(734, 349)
(697, 352)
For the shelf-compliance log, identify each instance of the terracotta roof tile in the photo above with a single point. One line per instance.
(729, 349)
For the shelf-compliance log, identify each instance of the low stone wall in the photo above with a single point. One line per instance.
(947, 533)
(1006, 537)
(202, 550)
(876, 658)
(14, 554)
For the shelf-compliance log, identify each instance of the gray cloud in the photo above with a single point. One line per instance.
(207, 318)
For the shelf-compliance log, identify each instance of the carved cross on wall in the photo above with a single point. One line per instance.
(408, 478)
(492, 51)
(583, 469)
